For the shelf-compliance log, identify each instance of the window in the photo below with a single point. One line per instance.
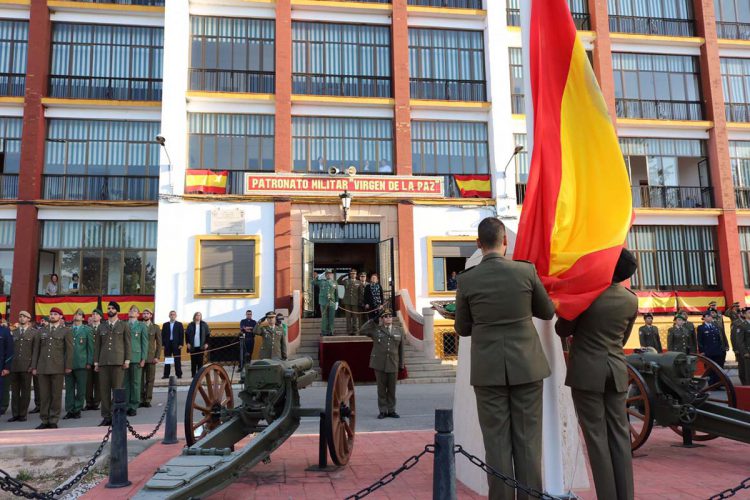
(652, 86)
(449, 147)
(655, 17)
(745, 254)
(579, 9)
(227, 265)
(99, 61)
(739, 153)
(733, 19)
(516, 81)
(232, 54)
(14, 43)
(341, 59)
(447, 64)
(522, 167)
(451, 4)
(446, 256)
(101, 160)
(110, 258)
(10, 156)
(7, 241)
(319, 143)
(674, 257)
(734, 77)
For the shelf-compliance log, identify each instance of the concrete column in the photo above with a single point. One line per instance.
(603, 52)
(428, 332)
(401, 91)
(283, 127)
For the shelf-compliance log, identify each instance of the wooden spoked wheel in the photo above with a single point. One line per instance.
(209, 393)
(341, 415)
(720, 391)
(639, 409)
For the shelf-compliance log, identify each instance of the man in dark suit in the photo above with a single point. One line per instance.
(495, 303)
(172, 338)
(598, 377)
(197, 334)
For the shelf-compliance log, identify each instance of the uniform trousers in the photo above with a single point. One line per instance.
(719, 359)
(352, 318)
(328, 312)
(93, 398)
(386, 391)
(133, 379)
(741, 367)
(50, 397)
(606, 430)
(111, 377)
(510, 417)
(149, 374)
(35, 383)
(75, 390)
(20, 387)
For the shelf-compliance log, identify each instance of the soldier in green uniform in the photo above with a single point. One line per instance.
(329, 296)
(733, 313)
(138, 354)
(350, 301)
(83, 359)
(690, 327)
(35, 379)
(25, 338)
(111, 358)
(386, 359)
(744, 343)
(274, 338)
(648, 334)
(495, 302)
(53, 359)
(152, 358)
(93, 399)
(680, 338)
(362, 284)
(740, 332)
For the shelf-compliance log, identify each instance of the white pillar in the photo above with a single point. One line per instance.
(428, 332)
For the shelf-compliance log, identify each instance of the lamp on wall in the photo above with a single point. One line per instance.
(346, 203)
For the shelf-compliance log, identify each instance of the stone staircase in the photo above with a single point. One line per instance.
(421, 370)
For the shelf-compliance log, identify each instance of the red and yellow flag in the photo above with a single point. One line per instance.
(206, 182)
(68, 304)
(474, 186)
(127, 301)
(578, 205)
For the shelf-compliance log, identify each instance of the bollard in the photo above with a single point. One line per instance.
(444, 465)
(118, 455)
(170, 431)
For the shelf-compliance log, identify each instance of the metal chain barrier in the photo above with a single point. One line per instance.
(21, 489)
(728, 493)
(152, 433)
(408, 464)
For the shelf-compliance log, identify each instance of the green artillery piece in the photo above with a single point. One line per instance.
(688, 393)
(270, 410)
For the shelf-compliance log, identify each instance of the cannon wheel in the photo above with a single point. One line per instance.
(341, 415)
(639, 409)
(722, 392)
(209, 393)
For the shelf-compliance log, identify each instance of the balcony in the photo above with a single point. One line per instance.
(8, 186)
(517, 104)
(100, 188)
(341, 85)
(659, 110)
(582, 20)
(449, 4)
(737, 112)
(448, 90)
(651, 26)
(106, 88)
(742, 197)
(733, 31)
(672, 197)
(241, 81)
(150, 3)
(12, 84)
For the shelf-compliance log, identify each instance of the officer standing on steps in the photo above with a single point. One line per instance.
(152, 358)
(329, 297)
(648, 334)
(25, 338)
(53, 359)
(138, 353)
(111, 358)
(351, 300)
(387, 359)
(273, 336)
(83, 359)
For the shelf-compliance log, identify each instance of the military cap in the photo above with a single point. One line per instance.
(735, 304)
(680, 316)
(115, 305)
(25, 313)
(45, 318)
(97, 311)
(271, 314)
(79, 311)
(56, 310)
(386, 312)
(147, 310)
(352, 270)
(707, 313)
(363, 274)
(648, 315)
(133, 308)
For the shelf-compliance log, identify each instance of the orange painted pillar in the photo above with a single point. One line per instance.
(282, 252)
(283, 118)
(603, 52)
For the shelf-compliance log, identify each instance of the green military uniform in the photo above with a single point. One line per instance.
(733, 314)
(274, 341)
(138, 353)
(681, 339)
(75, 381)
(495, 302)
(386, 359)
(149, 370)
(351, 301)
(111, 351)
(649, 337)
(24, 344)
(93, 398)
(52, 357)
(741, 346)
(329, 296)
(598, 377)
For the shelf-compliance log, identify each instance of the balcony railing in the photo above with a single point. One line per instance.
(341, 85)
(652, 25)
(448, 90)
(733, 31)
(517, 104)
(582, 20)
(150, 3)
(108, 88)
(12, 84)
(8, 186)
(742, 196)
(451, 4)
(737, 112)
(672, 197)
(221, 80)
(660, 110)
(100, 188)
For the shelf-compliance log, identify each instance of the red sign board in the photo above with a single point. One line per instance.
(387, 186)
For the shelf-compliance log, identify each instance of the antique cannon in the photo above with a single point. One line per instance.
(688, 393)
(270, 409)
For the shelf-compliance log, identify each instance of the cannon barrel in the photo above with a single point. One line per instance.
(674, 365)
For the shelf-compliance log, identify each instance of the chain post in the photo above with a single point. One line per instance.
(170, 431)
(118, 457)
(444, 465)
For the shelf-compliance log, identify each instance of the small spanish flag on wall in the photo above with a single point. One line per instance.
(474, 186)
(206, 182)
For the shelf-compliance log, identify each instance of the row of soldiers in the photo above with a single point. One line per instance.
(89, 360)
(362, 299)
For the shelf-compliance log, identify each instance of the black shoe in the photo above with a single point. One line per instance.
(13, 419)
(105, 422)
(20, 419)
(77, 415)
(35, 410)
(142, 405)
(42, 426)
(381, 416)
(165, 377)
(67, 416)
(393, 414)
(131, 413)
(51, 426)
(146, 405)
(91, 407)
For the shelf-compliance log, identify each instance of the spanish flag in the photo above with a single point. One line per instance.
(206, 182)
(578, 206)
(127, 301)
(474, 186)
(69, 304)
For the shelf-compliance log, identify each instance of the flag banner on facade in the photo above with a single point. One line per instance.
(69, 304)
(127, 301)
(697, 302)
(657, 302)
(669, 302)
(4, 305)
(206, 182)
(474, 186)
(578, 205)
